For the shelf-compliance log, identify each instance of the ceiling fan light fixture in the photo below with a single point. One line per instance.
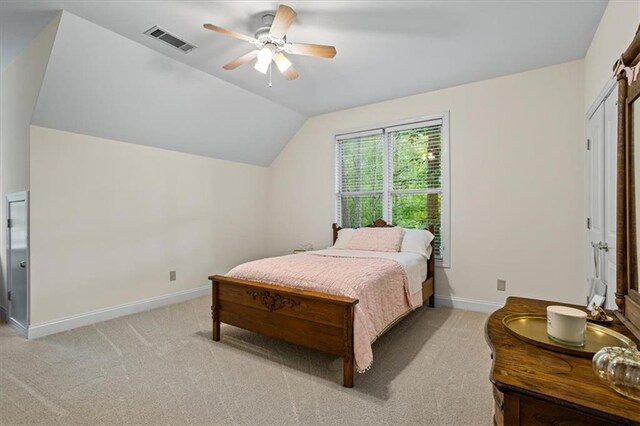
(282, 61)
(264, 59)
(272, 45)
(261, 67)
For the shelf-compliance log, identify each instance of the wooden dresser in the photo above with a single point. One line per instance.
(535, 386)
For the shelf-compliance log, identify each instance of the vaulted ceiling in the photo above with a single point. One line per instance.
(386, 49)
(106, 78)
(101, 84)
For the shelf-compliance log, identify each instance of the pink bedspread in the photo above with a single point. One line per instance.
(380, 285)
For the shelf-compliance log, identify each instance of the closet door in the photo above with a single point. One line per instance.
(595, 195)
(611, 169)
(601, 169)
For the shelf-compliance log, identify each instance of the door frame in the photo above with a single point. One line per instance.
(607, 90)
(594, 218)
(12, 198)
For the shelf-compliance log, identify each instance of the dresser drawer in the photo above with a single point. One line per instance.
(498, 407)
(515, 409)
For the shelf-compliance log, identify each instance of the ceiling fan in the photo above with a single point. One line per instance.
(271, 44)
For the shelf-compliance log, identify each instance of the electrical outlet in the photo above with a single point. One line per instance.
(172, 275)
(502, 285)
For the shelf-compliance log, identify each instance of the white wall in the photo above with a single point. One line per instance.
(615, 32)
(20, 84)
(517, 192)
(109, 220)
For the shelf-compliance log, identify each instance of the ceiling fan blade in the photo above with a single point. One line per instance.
(241, 60)
(283, 20)
(290, 73)
(229, 32)
(318, 50)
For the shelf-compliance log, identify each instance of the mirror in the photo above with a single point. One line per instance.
(634, 136)
(627, 70)
(631, 306)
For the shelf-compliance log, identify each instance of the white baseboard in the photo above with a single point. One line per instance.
(17, 327)
(467, 304)
(69, 323)
(12, 323)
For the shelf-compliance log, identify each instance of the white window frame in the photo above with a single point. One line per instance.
(445, 261)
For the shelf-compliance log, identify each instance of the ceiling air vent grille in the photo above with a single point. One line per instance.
(170, 39)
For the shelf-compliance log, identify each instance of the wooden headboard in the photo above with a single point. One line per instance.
(379, 223)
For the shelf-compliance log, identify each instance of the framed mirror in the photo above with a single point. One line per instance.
(633, 105)
(626, 70)
(633, 136)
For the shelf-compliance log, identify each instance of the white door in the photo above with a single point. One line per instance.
(601, 197)
(611, 170)
(595, 195)
(17, 252)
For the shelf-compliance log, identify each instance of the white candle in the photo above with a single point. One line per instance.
(567, 325)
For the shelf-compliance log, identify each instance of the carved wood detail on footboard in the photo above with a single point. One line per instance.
(272, 301)
(316, 320)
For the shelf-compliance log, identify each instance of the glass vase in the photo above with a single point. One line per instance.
(620, 369)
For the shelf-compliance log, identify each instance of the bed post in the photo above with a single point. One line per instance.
(215, 310)
(348, 358)
(431, 267)
(335, 228)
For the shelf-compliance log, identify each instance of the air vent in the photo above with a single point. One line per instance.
(170, 39)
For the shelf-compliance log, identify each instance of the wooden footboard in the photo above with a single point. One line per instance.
(316, 320)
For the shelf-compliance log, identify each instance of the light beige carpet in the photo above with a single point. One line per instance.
(160, 367)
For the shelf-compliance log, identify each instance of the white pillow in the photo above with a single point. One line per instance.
(417, 241)
(344, 236)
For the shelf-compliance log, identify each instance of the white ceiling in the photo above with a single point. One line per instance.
(386, 49)
(102, 84)
(17, 28)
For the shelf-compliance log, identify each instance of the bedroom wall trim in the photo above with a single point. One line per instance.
(88, 318)
(467, 304)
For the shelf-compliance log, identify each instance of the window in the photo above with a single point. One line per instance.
(398, 173)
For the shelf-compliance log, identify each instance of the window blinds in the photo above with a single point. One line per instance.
(362, 163)
(416, 157)
(415, 170)
(360, 177)
(394, 173)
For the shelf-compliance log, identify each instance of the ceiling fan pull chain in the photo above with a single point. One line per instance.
(270, 67)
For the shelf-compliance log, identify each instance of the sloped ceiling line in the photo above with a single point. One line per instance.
(102, 84)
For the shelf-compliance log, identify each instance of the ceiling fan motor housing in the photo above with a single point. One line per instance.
(264, 37)
(267, 19)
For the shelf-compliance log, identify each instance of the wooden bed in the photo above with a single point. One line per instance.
(312, 319)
